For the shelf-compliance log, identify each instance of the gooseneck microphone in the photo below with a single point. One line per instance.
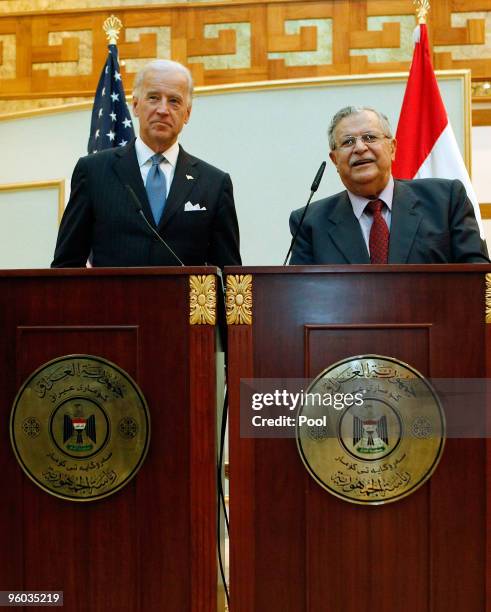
(139, 210)
(315, 185)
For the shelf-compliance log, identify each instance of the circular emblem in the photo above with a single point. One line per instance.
(386, 438)
(80, 427)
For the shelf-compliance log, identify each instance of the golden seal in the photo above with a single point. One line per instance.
(381, 441)
(80, 427)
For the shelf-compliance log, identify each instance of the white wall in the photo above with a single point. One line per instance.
(271, 140)
(34, 215)
(481, 171)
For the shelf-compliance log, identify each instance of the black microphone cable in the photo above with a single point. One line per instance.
(313, 189)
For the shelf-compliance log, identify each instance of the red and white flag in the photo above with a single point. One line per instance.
(426, 145)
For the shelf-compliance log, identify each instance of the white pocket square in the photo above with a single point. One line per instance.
(188, 207)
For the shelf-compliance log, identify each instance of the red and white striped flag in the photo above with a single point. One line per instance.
(426, 145)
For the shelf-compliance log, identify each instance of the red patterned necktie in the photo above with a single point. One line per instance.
(379, 234)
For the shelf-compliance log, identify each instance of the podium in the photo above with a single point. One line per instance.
(294, 546)
(151, 545)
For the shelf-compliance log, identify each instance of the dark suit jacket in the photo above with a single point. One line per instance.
(101, 218)
(432, 222)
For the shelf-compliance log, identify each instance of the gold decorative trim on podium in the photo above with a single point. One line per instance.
(202, 299)
(488, 298)
(239, 299)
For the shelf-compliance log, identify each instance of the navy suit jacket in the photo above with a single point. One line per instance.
(101, 218)
(432, 221)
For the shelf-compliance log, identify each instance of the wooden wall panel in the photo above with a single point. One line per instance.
(60, 54)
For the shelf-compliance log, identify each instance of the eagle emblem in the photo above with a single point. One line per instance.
(370, 435)
(79, 431)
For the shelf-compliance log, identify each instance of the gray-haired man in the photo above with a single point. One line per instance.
(187, 201)
(379, 219)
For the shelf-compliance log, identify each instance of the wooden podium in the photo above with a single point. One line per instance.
(294, 546)
(152, 545)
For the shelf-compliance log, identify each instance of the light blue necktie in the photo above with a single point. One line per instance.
(156, 187)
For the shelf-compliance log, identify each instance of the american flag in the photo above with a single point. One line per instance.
(111, 124)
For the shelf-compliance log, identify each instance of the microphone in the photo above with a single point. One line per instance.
(314, 187)
(139, 210)
(318, 178)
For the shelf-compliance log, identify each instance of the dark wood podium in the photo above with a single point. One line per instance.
(295, 547)
(151, 546)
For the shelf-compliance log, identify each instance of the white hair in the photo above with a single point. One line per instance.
(347, 111)
(164, 65)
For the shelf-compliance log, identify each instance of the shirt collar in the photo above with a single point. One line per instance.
(144, 152)
(359, 202)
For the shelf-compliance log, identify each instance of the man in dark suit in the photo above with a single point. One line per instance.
(379, 219)
(187, 201)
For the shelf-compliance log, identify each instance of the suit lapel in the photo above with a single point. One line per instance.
(404, 223)
(185, 178)
(346, 233)
(126, 167)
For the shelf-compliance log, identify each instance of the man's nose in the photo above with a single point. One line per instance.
(162, 106)
(359, 144)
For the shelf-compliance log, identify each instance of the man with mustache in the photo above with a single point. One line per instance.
(379, 219)
(187, 201)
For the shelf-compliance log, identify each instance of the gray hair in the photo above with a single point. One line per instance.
(347, 111)
(164, 65)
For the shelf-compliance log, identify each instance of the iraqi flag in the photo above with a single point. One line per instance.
(426, 145)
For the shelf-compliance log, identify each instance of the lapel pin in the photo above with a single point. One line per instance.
(189, 177)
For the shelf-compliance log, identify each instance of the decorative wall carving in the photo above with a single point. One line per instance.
(47, 53)
(19, 6)
(71, 52)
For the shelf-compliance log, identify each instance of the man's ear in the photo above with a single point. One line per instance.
(333, 157)
(394, 148)
(189, 114)
(135, 106)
